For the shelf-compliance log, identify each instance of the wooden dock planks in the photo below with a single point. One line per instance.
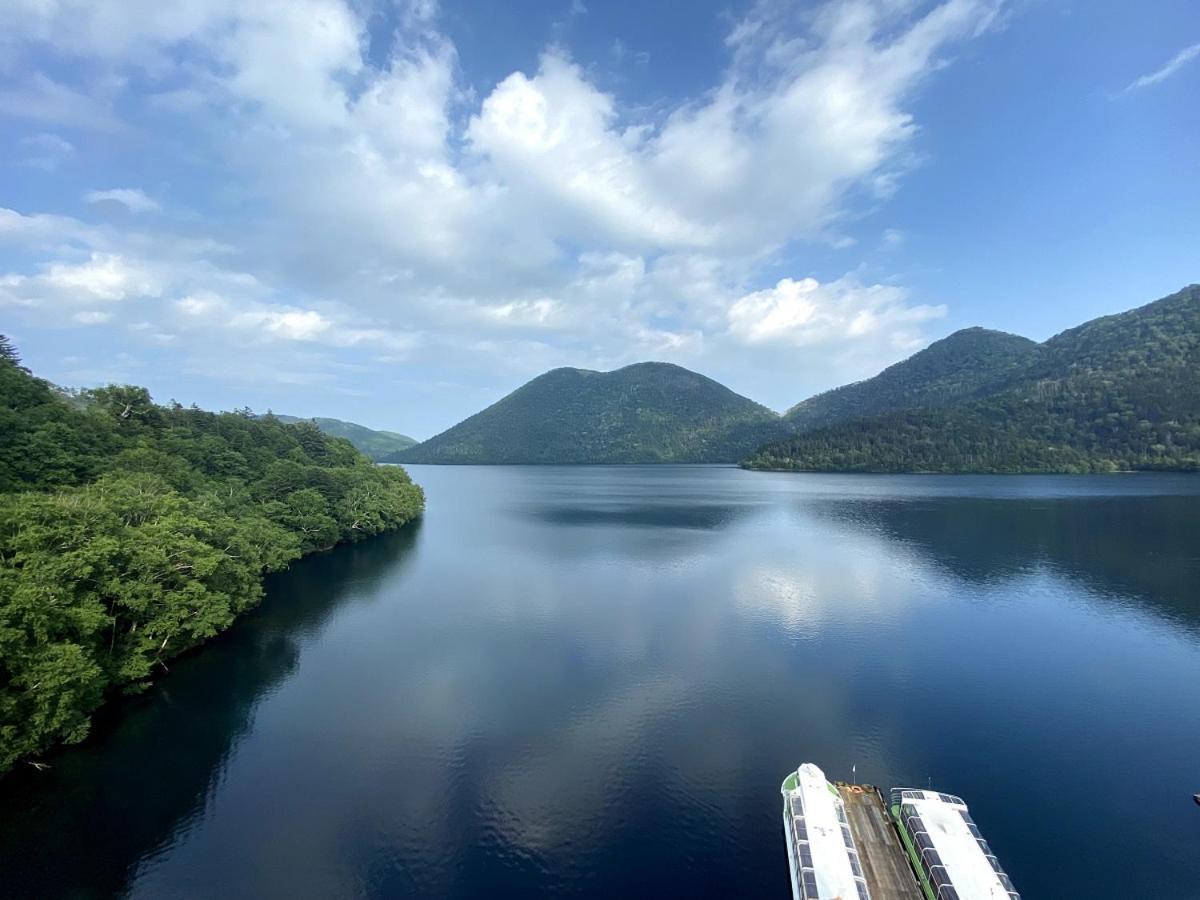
(885, 865)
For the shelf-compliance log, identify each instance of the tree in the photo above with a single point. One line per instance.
(130, 533)
(9, 355)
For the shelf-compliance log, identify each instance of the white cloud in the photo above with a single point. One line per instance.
(104, 277)
(200, 305)
(42, 99)
(288, 55)
(133, 199)
(555, 141)
(554, 163)
(403, 114)
(259, 324)
(92, 317)
(40, 232)
(131, 30)
(806, 313)
(529, 313)
(48, 151)
(1177, 62)
(419, 13)
(544, 222)
(291, 324)
(10, 293)
(252, 322)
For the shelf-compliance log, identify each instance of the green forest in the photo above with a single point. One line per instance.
(1119, 393)
(971, 362)
(643, 413)
(375, 444)
(132, 532)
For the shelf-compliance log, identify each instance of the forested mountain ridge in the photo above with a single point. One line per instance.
(644, 413)
(132, 532)
(1118, 393)
(968, 363)
(373, 442)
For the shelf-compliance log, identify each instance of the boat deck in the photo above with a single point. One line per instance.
(885, 864)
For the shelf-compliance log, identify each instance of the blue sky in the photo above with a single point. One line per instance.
(395, 213)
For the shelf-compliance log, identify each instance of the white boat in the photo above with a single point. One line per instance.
(821, 852)
(948, 852)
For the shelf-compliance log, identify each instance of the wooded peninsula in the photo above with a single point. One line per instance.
(132, 532)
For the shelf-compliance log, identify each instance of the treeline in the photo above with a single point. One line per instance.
(1120, 393)
(992, 438)
(131, 532)
(375, 444)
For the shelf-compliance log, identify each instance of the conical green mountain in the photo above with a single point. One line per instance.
(644, 413)
(1117, 393)
(969, 363)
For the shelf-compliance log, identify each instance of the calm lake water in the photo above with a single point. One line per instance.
(589, 682)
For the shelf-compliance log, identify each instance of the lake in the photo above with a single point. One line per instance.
(589, 682)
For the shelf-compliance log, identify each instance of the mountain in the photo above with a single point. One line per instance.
(644, 413)
(375, 444)
(969, 363)
(1117, 393)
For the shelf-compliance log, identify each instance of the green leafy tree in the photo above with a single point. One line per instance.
(131, 533)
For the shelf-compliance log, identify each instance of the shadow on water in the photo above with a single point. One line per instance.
(67, 832)
(692, 516)
(1140, 548)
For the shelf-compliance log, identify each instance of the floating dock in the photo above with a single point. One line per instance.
(844, 842)
(884, 861)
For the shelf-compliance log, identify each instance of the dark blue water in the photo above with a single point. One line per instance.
(589, 682)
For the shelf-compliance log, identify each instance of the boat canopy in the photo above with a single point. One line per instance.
(957, 860)
(827, 862)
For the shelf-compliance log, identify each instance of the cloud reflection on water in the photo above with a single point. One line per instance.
(588, 682)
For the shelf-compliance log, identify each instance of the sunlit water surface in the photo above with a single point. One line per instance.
(589, 682)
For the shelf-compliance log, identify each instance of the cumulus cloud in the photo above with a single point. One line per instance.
(806, 313)
(103, 277)
(541, 222)
(555, 141)
(179, 287)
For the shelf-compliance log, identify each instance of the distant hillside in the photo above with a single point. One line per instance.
(1117, 393)
(644, 413)
(375, 444)
(969, 363)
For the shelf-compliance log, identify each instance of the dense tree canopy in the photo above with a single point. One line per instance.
(131, 532)
(1118, 393)
(644, 413)
(375, 444)
(969, 363)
